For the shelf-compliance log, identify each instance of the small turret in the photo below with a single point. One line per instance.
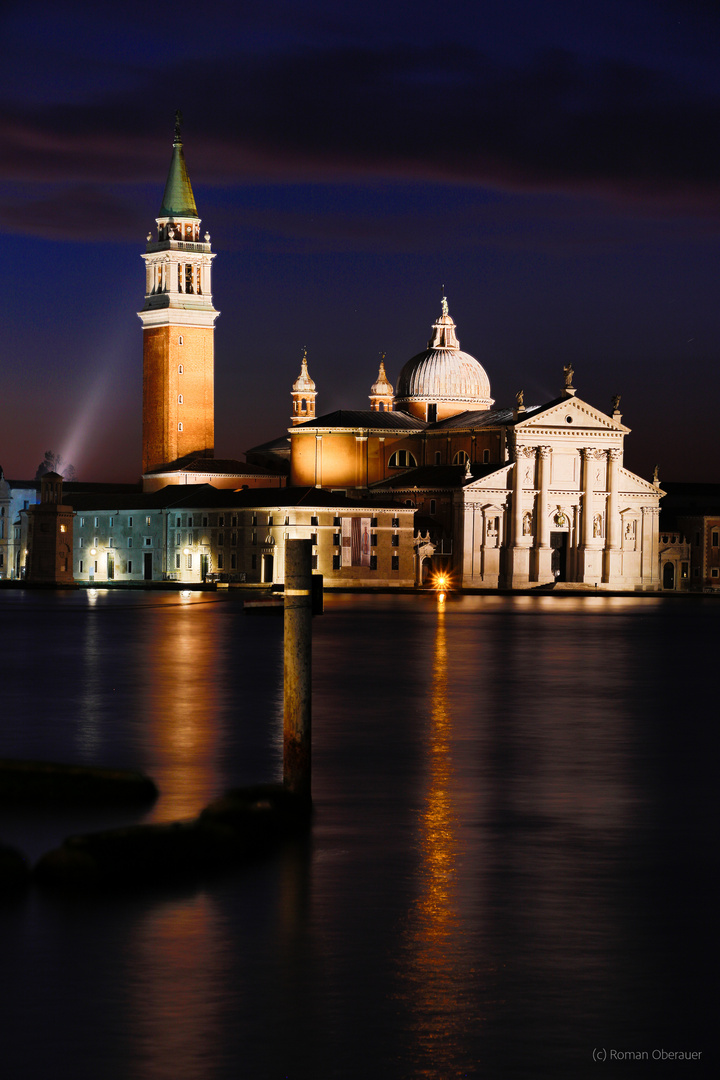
(382, 394)
(303, 395)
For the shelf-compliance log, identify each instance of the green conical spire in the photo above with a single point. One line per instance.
(178, 200)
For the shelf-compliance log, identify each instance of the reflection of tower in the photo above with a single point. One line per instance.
(178, 328)
(381, 391)
(303, 395)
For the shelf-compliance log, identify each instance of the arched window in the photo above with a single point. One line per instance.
(486, 457)
(180, 399)
(180, 340)
(180, 369)
(180, 427)
(303, 405)
(460, 458)
(402, 459)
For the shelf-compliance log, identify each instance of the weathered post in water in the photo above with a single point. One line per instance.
(298, 651)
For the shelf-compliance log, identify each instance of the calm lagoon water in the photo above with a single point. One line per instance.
(512, 863)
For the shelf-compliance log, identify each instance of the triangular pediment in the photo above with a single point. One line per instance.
(568, 414)
(492, 481)
(630, 484)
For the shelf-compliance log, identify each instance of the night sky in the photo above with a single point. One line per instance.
(553, 165)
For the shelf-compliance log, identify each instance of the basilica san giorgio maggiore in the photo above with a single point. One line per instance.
(431, 478)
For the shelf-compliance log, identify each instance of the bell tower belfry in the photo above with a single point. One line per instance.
(178, 328)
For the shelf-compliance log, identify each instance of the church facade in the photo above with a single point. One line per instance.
(510, 498)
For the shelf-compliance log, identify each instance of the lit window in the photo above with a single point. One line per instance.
(189, 562)
(82, 522)
(148, 520)
(402, 459)
(63, 528)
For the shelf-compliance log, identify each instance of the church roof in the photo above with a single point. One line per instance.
(213, 466)
(364, 418)
(178, 199)
(437, 477)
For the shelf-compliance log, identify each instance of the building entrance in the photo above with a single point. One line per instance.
(204, 567)
(558, 543)
(147, 569)
(267, 568)
(110, 566)
(668, 576)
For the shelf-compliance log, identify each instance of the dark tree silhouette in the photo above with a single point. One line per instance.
(54, 463)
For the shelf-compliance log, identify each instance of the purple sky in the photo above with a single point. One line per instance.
(553, 165)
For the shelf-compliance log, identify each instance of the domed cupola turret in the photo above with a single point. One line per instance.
(381, 391)
(442, 381)
(303, 395)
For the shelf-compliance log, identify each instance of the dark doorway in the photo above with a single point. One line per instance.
(558, 543)
(668, 576)
(204, 567)
(111, 566)
(147, 569)
(267, 571)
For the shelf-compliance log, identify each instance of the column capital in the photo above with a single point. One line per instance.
(545, 451)
(614, 453)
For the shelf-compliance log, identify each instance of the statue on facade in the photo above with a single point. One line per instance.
(569, 372)
(527, 523)
(561, 518)
(616, 403)
(520, 399)
(597, 525)
(656, 475)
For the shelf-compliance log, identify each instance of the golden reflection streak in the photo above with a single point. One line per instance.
(181, 698)
(179, 955)
(434, 973)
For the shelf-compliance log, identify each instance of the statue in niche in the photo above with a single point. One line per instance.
(629, 530)
(527, 523)
(561, 518)
(597, 525)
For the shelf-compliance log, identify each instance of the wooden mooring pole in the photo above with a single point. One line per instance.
(298, 668)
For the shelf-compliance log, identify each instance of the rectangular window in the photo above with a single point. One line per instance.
(233, 539)
(373, 523)
(270, 519)
(486, 457)
(395, 562)
(190, 524)
(373, 562)
(221, 539)
(395, 540)
(715, 571)
(336, 539)
(148, 520)
(80, 541)
(253, 562)
(336, 522)
(313, 538)
(130, 522)
(111, 543)
(233, 521)
(314, 562)
(433, 506)
(95, 542)
(96, 566)
(253, 520)
(204, 521)
(221, 561)
(221, 520)
(177, 561)
(129, 568)
(63, 528)
(178, 522)
(313, 520)
(396, 523)
(189, 562)
(253, 539)
(715, 539)
(129, 543)
(80, 567)
(82, 522)
(373, 540)
(683, 569)
(110, 522)
(148, 541)
(96, 522)
(438, 457)
(336, 562)
(233, 561)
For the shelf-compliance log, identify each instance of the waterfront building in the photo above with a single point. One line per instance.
(693, 512)
(516, 497)
(196, 533)
(47, 536)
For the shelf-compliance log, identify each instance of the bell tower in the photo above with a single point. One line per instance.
(178, 328)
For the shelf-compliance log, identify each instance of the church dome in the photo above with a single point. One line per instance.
(443, 374)
(303, 381)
